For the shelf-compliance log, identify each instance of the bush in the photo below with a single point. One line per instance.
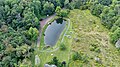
(85, 59)
(105, 2)
(76, 56)
(113, 28)
(96, 9)
(61, 12)
(115, 35)
(97, 50)
(64, 13)
(117, 23)
(32, 34)
(56, 62)
(62, 46)
(80, 56)
(84, 7)
(94, 47)
(91, 48)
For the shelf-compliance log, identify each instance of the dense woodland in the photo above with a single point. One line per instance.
(19, 23)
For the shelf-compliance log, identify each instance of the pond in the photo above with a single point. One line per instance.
(53, 31)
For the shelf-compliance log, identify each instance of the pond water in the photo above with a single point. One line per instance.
(53, 31)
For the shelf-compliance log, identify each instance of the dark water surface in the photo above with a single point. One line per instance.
(53, 31)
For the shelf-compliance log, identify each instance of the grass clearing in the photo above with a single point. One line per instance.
(88, 29)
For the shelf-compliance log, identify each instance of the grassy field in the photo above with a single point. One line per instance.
(89, 38)
(88, 31)
(48, 54)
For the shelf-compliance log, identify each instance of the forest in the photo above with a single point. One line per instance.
(20, 25)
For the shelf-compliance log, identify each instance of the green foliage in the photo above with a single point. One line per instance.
(56, 62)
(33, 34)
(95, 47)
(63, 47)
(12, 47)
(108, 14)
(10, 37)
(76, 56)
(105, 2)
(115, 35)
(62, 2)
(71, 5)
(96, 9)
(108, 17)
(97, 50)
(58, 10)
(37, 8)
(76, 4)
(84, 7)
(66, 3)
(30, 20)
(48, 8)
(113, 28)
(64, 13)
(16, 17)
(80, 56)
(61, 12)
(117, 8)
(117, 23)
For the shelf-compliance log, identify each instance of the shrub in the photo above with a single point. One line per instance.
(80, 56)
(62, 46)
(56, 62)
(115, 35)
(84, 7)
(97, 50)
(94, 47)
(96, 9)
(91, 48)
(85, 59)
(76, 56)
(117, 23)
(113, 28)
(61, 12)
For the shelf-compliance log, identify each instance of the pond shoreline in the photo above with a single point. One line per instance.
(56, 48)
(53, 32)
(42, 24)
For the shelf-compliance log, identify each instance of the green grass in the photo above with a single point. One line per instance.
(88, 29)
